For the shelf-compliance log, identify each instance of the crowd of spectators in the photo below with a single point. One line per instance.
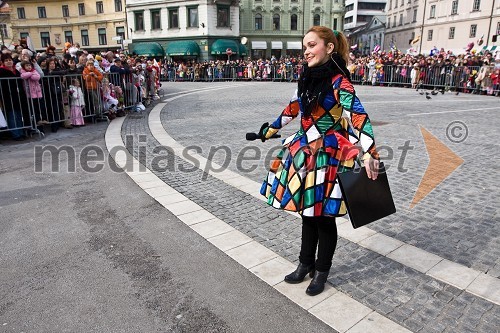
(65, 89)
(469, 72)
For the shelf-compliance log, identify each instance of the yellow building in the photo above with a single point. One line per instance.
(93, 24)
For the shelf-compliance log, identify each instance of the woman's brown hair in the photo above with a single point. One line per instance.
(341, 46)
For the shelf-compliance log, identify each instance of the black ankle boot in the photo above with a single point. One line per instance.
(300, 273)
(317, 284)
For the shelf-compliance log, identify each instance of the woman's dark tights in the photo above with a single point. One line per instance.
(320, 232)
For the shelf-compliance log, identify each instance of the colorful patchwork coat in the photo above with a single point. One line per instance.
(303, 176)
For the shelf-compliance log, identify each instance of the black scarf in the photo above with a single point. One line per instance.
(315, 82)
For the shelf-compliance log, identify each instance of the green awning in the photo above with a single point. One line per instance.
(243, 50)
(148, 49)
(183, 48)
(221, 45)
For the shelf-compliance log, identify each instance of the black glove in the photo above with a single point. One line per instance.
(263, 131)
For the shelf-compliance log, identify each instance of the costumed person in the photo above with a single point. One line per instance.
(76, 102)
(303, 176)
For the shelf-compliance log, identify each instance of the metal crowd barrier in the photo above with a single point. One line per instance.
(447, 77)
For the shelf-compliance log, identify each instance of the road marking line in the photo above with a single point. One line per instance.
(453, 111)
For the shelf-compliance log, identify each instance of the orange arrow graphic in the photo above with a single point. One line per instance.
(442, 162)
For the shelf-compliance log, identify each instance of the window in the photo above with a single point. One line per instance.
(222, 16)
(81, 9)
(473, 29)
(3, 30)
(192, 17)
(45, 38)
(258, 22)
(118, 6)
(394, 21)
(400, 19)
(454, 7)
(316, 19)
(120, 31)
(317, 0)
(451, 34)
(388, 22)
(396, 4)
(414, 15)
(390, 5)
(41, 12)
(139, 21)
(20, 13)
(23, 35)
(476, 5)
(432, 14)
(429, 34)
(65, 11)
(99, 7)
(173, 18)
(276, 21)
(293, 22)
(68, 36)
(155, 19)
(85, 37)
(102, 36)
(335, 23)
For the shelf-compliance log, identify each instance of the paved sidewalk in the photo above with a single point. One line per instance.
(417, 301)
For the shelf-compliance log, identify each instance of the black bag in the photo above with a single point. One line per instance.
(367, 200)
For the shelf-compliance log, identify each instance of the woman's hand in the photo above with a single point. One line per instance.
(372, 167)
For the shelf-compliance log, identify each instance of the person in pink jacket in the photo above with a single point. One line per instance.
(33, 90)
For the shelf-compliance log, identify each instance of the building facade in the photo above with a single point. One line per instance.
(92, 24)
(198, 29)
(275, 28)
(423, 25)
(360, 12)
(369, 37)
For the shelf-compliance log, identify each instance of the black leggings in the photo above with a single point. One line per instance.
(320, 232)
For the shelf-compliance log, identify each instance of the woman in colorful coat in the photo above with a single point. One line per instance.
(303, 177)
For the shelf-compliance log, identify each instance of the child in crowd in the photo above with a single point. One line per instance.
(77, 103)
(33, 90)
(108, 99)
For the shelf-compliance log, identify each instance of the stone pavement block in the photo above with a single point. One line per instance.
(211, 228)
(160, 191)
(171, 198)
(229, 240)
(414, 257)
(376, 323)
(251, 254)
(381, 243)
(487, 287)
(273, 271)
(340, 311)
(297, 293)
(183, 207)
(354, 235)
(454, 274)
